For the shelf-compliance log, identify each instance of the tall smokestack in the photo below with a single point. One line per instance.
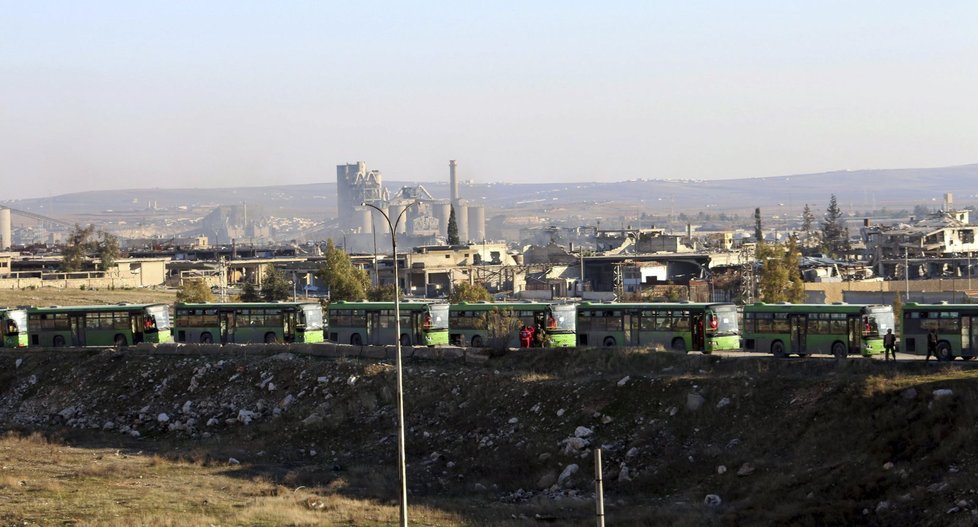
(452, 165)
(5, 241)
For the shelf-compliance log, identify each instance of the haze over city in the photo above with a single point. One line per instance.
(140, 95)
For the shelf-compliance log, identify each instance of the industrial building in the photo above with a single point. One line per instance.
(425, 221)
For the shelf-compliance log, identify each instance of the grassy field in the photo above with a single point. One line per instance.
(50, 296)
(45, 482)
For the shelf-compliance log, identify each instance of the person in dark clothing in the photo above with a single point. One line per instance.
(889, 345)
(931, 345)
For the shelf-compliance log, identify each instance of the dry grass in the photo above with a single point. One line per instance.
(45, 483)
(49, 296)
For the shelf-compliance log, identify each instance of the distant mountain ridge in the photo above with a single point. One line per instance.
(858, 189)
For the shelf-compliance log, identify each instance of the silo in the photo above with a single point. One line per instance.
(462, 220)
(477, 223)
(442, 211)
(362, 219)
(393, 211)
(5, 241)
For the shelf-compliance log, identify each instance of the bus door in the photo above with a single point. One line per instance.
(77, 324)
(136, 327)
(226, 321)
(373, 328)
(968, 336)
(697, 330)
(799, 333)
(288, 331)
(629, 328)
(855, 327)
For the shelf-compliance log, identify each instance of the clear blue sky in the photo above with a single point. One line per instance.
(212, 93)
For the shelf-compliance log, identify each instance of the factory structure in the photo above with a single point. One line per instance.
(419, 218)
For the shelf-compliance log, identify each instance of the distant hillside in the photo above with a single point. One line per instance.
(858, 190)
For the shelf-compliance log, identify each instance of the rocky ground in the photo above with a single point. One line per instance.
(685, 439)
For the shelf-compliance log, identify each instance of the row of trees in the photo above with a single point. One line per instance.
(832, 236)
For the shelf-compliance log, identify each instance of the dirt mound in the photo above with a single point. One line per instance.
(685, 439)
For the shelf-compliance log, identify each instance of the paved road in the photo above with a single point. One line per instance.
(900, 356)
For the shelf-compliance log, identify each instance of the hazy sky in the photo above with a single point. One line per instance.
(95, 95)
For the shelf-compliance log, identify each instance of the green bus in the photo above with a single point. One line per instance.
(837, 329)
(248, 322)
(104, 325)
(956, 326)
(682, 326)
(373, 323)
(13, 322)
(468, 322)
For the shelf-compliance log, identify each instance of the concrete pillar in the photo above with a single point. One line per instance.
(5, 230)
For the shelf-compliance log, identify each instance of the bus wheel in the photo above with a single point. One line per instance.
(610, 342)
(839, 350)
(120, 341)
(270, 338)
(777, 349)
(356, 340)
(944, 351)
(405, 340)
(58, 341)
(205, 338)
(678, 344)
(477, 341)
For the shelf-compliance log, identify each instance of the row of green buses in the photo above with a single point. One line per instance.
(779, 329)
(678, 326)
(122, 325)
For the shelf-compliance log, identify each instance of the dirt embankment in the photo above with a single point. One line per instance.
(685, 439)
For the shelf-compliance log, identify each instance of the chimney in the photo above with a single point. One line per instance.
(452, 166)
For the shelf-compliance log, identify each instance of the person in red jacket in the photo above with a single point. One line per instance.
(526, 336)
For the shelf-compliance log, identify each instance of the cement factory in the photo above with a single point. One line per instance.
(424, 223)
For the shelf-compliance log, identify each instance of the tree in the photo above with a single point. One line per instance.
(780, 279)
(835, 240)
(382, 293)
(795, 292)
(343, 280)
(108, 249)
(452, 232)
(807, 222)
(275, 286)
(77, 247)
(249, 293)
(758, 234)
(194, 290)
(468, 293)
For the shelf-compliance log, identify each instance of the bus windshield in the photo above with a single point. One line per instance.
(726, 320)
(565, 317)
(313, 317)
(880, 321)
(439, 316)
(160, 316)
(19, 321)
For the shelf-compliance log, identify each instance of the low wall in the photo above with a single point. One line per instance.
(885, 291)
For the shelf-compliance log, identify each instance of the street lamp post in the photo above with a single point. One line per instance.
(401, 462)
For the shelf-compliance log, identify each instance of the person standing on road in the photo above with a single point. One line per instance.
(889, 345)
(526, 336)
(931, 345)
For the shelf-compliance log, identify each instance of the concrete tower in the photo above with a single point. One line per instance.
(452, 166)
(5, 241)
